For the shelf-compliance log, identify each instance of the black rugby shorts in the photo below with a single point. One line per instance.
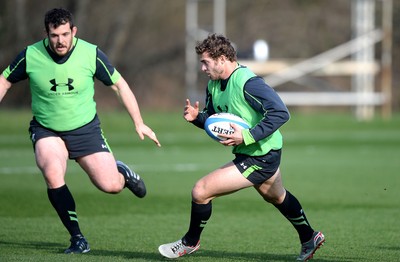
(79, 142)
(258, 169)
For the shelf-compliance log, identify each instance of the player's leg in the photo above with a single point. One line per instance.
(264, 172)
(102, 170)
(272, 191)
(111, 176)
(51, 157)
(223, 181)
(88, 146)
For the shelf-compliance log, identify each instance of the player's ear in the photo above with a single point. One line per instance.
(222, 59)
(74, 30)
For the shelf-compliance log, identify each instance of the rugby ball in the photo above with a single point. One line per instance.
(220, 123)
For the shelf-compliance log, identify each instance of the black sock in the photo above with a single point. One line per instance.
(292, 210)
(200, 213)
(64, 204)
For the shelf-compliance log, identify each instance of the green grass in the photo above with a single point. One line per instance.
(344, 172)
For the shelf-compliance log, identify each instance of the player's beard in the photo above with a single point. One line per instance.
(215, 74)
(61, 49)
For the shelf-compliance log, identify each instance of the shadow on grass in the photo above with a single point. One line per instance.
(50, 246)
(201, 255)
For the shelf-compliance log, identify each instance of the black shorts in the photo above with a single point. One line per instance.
(258, 169)
(79, 142)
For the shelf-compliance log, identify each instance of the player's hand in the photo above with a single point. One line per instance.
(234, 139)
(144, 130)
(190, 112)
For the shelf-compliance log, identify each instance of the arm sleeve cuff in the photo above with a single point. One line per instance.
(247, 137)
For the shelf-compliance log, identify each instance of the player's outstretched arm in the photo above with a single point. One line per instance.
(128, 99)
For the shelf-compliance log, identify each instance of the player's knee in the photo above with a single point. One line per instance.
(111, 188)
(199, 194)
(271, 200)
(274, 199)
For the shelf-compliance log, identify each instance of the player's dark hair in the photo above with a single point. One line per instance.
(216, 46)
(57, 17)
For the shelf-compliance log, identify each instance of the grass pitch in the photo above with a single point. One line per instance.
(345, 173)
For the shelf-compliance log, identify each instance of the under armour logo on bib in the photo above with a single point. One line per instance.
(55, 85)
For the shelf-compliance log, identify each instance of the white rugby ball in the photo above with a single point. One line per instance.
(220, 123)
